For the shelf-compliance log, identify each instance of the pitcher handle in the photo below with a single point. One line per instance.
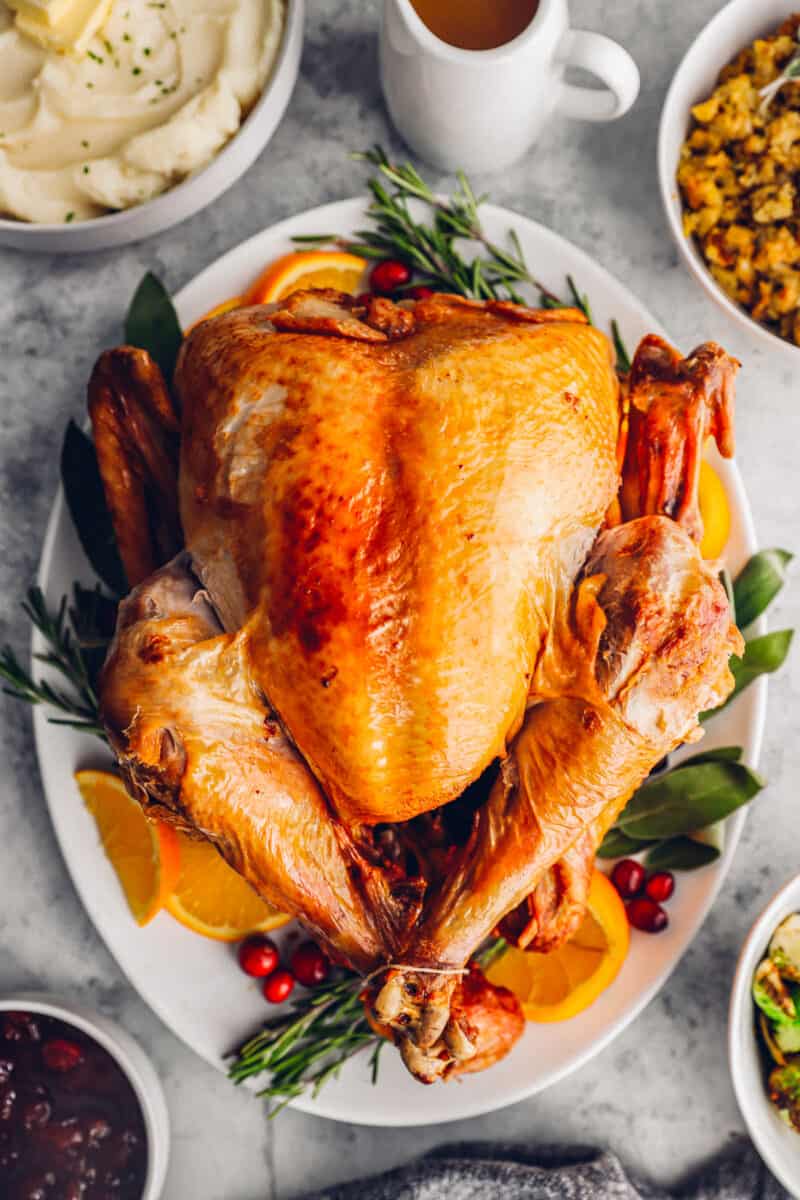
(611, 64)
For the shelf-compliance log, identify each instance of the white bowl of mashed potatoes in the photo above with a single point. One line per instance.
(155, 115)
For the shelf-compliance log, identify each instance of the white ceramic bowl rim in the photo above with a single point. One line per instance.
(752, 19)
(162, 202)
(756, 1109)
(129, 1057)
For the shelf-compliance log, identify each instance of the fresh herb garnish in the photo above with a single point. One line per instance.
(681, 854)
(152, 324)
(690, 797)
(85, 497)
(758, 584)
(308, 1043)
(432, 248)
(77, 638)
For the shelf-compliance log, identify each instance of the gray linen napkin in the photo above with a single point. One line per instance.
(507, 1172)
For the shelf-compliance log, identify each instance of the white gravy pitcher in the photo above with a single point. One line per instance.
(480, 110)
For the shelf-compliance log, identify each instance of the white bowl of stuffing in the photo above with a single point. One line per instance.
(120, 118)
(728, 159)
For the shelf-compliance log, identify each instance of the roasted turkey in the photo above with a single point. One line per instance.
(417, 605)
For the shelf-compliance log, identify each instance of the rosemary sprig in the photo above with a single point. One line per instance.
(308, 1044)
(77, 637)
(430, 248)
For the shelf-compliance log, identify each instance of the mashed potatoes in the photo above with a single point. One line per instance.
(738, 176)
(160, 91)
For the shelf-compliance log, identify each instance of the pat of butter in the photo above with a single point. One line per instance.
(64, 25)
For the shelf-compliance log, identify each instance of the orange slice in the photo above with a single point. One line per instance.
(210, 898)
(557, 986)
(309, 269)
(715, 511)
(143, 853)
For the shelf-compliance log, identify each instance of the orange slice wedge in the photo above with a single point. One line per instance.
(143, 853)
(557, 986)
(308, 269)
(715, 511)
(210, 898)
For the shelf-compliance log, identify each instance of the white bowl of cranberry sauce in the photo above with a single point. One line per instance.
(82, 1113)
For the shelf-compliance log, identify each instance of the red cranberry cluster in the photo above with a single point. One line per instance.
(259, 958)
(390, 277)
(645, 894)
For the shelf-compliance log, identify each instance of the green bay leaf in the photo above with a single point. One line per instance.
(681, 854)
(86, 501)
(688, 798)
(152, 324)
(758, 584)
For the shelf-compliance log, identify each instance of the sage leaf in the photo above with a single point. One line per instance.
(762, 656)
(758, 584)
(681, 854)
(718, 754)
(688, 798)
(152, 324)
(617, 844)
(86, 501)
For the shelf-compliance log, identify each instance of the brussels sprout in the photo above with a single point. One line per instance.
(784, 1092)
(784, 949)
(772, 995)
(788, 1037)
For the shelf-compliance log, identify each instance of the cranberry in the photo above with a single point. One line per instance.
(278, 987)
(660, 886)
(96, 1130)
(66, 1136)
(647, 915)
(6, 1068)
(309, 964)
(419, 293)
(258, 956)
(628, 877)
(20, 1027)
(36, 1114)
(8, 1097)
(61, 1055)
(389, 275)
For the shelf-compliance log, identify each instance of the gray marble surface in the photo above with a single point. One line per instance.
(660, 1095)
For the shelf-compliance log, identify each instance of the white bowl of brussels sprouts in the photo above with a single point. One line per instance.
(764, 1035)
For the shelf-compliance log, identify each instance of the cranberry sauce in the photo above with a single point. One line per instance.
(71, 1127)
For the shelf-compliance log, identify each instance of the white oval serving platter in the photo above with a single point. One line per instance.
(194, 985)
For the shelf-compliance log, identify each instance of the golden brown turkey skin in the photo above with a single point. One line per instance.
(199, 748)
(652, 636)
(394, 513)
(394, 520)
